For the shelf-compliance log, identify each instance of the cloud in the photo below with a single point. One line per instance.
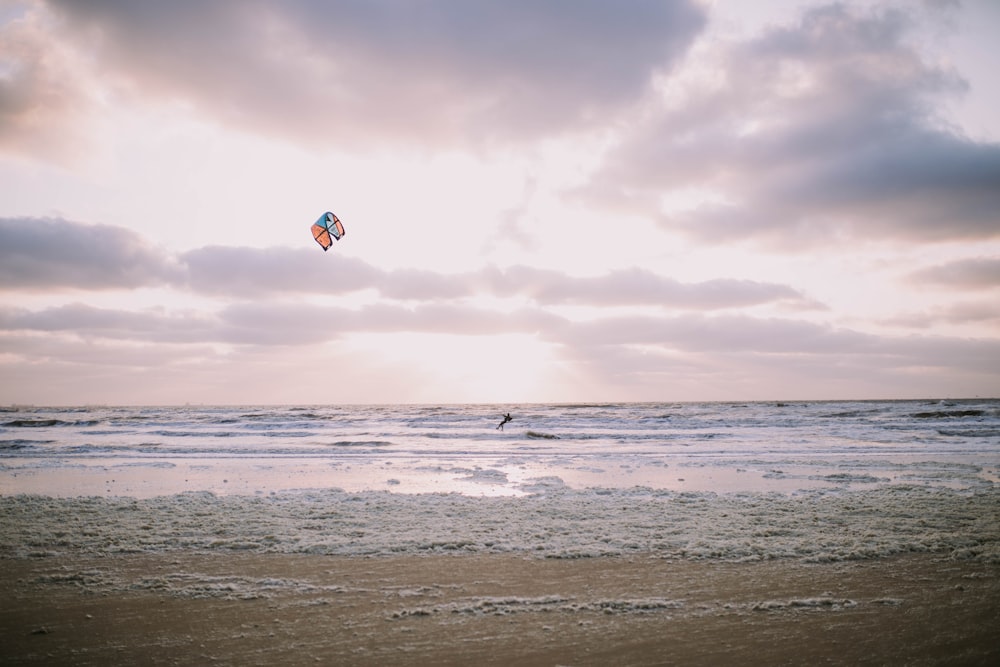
(268, 323)
(284, 324)
(956, 312)
(731, 356)
(249, 272)
(810, 132)
(972, 311)
(820, 132)
(632, 287)
(255, 272)
(640, 287)
(49, 355)
(42, 253)
(89, 323)
(357, 71)
(737, 334)
(43, 88)
(648, 357)
(977, 273)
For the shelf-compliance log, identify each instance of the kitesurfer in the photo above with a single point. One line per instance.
(506, 418)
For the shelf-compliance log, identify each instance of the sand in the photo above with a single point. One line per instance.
(213, 608)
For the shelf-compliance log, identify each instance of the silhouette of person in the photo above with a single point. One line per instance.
(506, 418)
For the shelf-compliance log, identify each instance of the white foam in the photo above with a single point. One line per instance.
(804, 603)
(554, 522)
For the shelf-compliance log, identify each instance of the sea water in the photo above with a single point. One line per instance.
(813, 481)
(708, 447)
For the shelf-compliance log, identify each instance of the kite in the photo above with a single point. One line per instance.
(326, 229)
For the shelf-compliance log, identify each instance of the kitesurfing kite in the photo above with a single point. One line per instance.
(327, 229)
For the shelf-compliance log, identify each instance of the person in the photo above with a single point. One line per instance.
(506, 418)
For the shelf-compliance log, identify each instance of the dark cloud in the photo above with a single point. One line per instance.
(975, 273)
(822, 128)
(43, 253)
(366, 70)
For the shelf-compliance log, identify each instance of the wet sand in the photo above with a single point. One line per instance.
(194, 608)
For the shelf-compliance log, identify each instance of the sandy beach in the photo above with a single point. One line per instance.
(268, 609)
(844, 534)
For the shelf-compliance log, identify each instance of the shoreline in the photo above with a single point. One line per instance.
(191, 607)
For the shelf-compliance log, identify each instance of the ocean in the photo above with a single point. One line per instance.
(720, 447)
(814, 480)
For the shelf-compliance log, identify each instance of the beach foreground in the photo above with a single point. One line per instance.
(654, 534)
(185, 608)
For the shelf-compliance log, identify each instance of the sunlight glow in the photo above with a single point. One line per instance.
(480, 369)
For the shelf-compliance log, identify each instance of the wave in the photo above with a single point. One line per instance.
(852, 414)
(851, 478)
(193, 434)
(971, 433)
(48, 423)
(11, 445)
(948, 414)
(298, 415)
(541, 436)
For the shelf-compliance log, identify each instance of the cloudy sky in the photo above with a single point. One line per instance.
(545, 201)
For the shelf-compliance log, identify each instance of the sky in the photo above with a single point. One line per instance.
(558, 201)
